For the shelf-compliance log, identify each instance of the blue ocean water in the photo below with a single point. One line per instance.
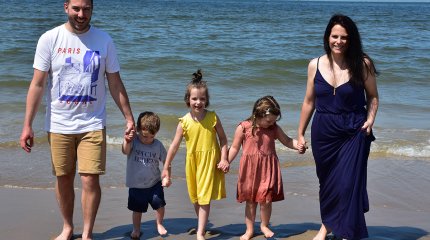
(247, 49)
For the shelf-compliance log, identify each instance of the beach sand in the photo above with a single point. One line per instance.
(398, 192)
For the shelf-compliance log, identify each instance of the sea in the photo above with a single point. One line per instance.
(246, 49)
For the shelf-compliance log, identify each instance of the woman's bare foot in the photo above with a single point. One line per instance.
(322, 233)
(66, 234)
(247, 235)
(267, 232)
(135, 234)
(161, 230)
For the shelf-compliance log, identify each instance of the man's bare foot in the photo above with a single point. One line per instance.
(135, 234)
(267, 232)
(247, 235)
(161, 230)
(66, 234)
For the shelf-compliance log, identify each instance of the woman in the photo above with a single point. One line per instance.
(341, 87)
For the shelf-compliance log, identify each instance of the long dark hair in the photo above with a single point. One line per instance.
(355, 58)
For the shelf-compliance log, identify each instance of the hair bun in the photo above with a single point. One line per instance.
(197, 76)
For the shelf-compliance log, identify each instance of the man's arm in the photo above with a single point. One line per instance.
(34, 97)
(119, 95)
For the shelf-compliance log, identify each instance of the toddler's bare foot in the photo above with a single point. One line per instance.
(66, 234)
(135, 234)
(161, 230)
(247, 235)
(267, 232)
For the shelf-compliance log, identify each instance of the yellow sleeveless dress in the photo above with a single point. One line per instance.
(204, 181)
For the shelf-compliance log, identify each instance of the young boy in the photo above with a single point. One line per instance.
(143, 177)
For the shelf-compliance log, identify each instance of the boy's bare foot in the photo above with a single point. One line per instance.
(247, 235)
(66, 234)
(135, 234)
(161, 230)
(267, 232)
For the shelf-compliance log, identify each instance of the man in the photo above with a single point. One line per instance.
(73, 60)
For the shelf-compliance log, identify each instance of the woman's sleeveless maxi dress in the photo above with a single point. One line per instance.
(341, 149)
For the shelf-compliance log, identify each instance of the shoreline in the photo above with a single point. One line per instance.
(399, 208)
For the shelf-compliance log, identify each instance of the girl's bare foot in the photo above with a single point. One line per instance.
(200, 237)
(135, 234)
(247, 235)
(267, 232)
(161, 230)
(66, 234)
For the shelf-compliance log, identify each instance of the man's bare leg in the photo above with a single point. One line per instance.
(65, 194)
(91, 195)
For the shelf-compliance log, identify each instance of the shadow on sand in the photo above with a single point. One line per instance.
(184, 228)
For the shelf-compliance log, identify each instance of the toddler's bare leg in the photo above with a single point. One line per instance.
(159, 219)
(250, 212)
(137, 218)
(265, 214)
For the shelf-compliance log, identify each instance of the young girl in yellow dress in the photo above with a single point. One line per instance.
(206, 159)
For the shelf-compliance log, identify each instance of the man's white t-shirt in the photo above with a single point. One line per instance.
(76, 65)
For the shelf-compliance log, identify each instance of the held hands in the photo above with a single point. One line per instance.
(224, 165)
(166, 180)
(301, 145)
(129, 137)
(129, 127)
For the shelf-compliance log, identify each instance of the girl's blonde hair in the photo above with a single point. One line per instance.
(263, 107)
(196, 82)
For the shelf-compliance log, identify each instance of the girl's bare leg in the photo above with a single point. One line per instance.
(159, 219)
(250, 212)
(202, 212)
(265, 214)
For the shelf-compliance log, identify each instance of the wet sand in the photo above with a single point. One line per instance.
(398, 192)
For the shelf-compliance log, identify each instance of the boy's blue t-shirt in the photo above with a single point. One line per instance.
(143, 164)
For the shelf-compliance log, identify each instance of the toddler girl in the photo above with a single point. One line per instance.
(260, 180)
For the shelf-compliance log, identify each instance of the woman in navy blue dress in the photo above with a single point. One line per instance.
(342, 91)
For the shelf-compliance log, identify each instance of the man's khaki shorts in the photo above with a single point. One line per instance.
(87, 149)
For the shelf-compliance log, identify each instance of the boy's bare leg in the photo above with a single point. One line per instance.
(65, 194)
(250, 213)
(265, 214)
(159, 219)
(137, 218)
(91, 195)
